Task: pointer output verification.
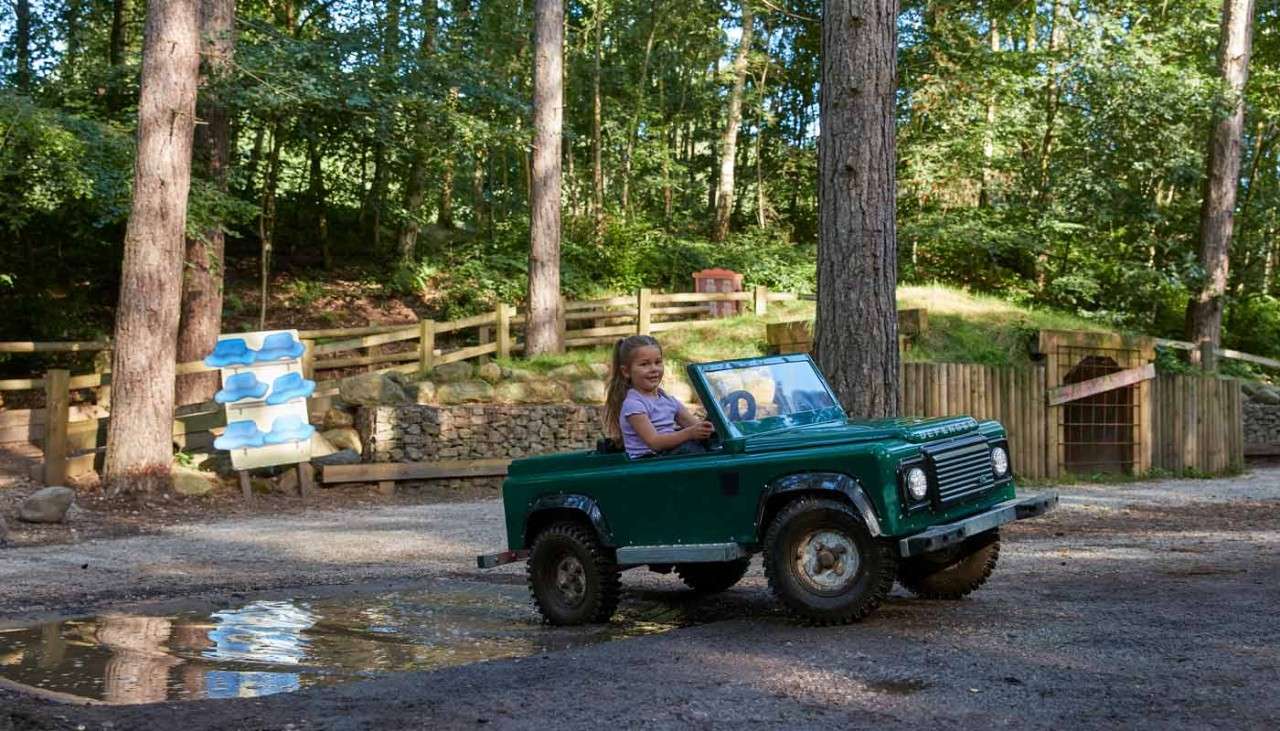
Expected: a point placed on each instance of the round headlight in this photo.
(999, 461)
(917, 483)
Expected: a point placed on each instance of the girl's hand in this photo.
(700, 431)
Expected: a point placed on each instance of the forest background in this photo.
(1050, 152)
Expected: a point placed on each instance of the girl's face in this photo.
(644, 372)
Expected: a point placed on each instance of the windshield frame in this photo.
(735, 430)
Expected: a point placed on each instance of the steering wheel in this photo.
(730, 405)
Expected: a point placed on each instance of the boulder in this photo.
(287, 482)
(371, 389)
(452, 372)
(321, 447)
(571, 372)
(346, 438)
(342, 456)
(49, 505)
(601, 370)
(4, 531)
(424, 392)
(531, 392)
(519, 374)
(336, 418)
(464, 392)
(1266, 395)
(589, 391)
(191, 482)
(489, 372)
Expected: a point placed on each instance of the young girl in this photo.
(639, 414)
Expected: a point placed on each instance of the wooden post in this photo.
(485, 336)
(306, 479)
(503, 315)
(102, 366)
(426, 345)
(644, 310)
(309, 359)
(761, 300)
(57, 405)
(246, 486)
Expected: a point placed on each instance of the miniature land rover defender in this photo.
(839, 508)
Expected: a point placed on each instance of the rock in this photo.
(519, 374)
(452, 372)
(589, 391)
(321, 447)
(342, 456)
(4, 531)
(601, 370)
(49, 505)
(424, 392)
(346, 438)
(336, 418)
(371, 389)
(531, 392)
(287, 482)
(464, 392)
(571, 372)
(489, 372)
(1267, 395)
(188, 481)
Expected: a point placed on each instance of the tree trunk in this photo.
(22, 45)
(478, 202)
(1204, 311)
(201, 319)
(989, 134)
(857, 326)
(597, 159)
(267, 222)
(762, 202)
(542, 330)
(415, 184)
(1052, 97)
(633, 129)
(729, 139)
(115, 55)
(140, 432)
(317, 197)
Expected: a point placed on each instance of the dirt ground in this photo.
(1148, 604)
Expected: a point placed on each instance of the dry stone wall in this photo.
(427, 433)
(1261, 424)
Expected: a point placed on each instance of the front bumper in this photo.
(943, 536)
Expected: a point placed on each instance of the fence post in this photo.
(503, 315)
(57, 404)
(644, 310)
(761, 300)
(102, 366)
(484, 338)
(309, 359)
(426, 345)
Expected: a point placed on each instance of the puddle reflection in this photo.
(266, 647)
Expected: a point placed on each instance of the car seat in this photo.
(229, 352)
(289, 387)
(240, 386)
(279, 346)
(288, 428)
(239, 434)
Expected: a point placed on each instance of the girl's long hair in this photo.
(618, 383)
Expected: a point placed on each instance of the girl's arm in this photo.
(684, 418)
(661, 442)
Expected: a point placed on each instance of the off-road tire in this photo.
(792, 528)
(714, 577)
(592, 570)
(952, 573)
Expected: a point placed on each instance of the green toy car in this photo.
(839, 508)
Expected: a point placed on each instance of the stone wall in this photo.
(1261, 424)
(426, 433)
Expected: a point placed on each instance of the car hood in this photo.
(906, 429)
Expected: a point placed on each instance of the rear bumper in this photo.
(943, 536)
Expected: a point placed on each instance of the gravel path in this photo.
(1140, 605)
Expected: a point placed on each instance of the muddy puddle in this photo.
(279, 645)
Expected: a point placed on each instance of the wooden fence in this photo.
(78, 429)
(1198, 424)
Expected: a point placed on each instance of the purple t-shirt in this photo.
(660, 409)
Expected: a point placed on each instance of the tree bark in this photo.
(1204, 311)
(267, 222)
(542, 330)
(317, 199)
(597, 158)
(416, 182)
(729, 139)
(140, 432)
(22, 45)
(201, 319)
(989, 134)
(857, 326)
(633, 129)
(115, 55)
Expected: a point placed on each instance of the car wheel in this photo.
(824, 565)
(714, 577)
(573, 578)
(952, 573)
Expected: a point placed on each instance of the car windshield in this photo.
(756, 397)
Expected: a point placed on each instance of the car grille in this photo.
(961, 468)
